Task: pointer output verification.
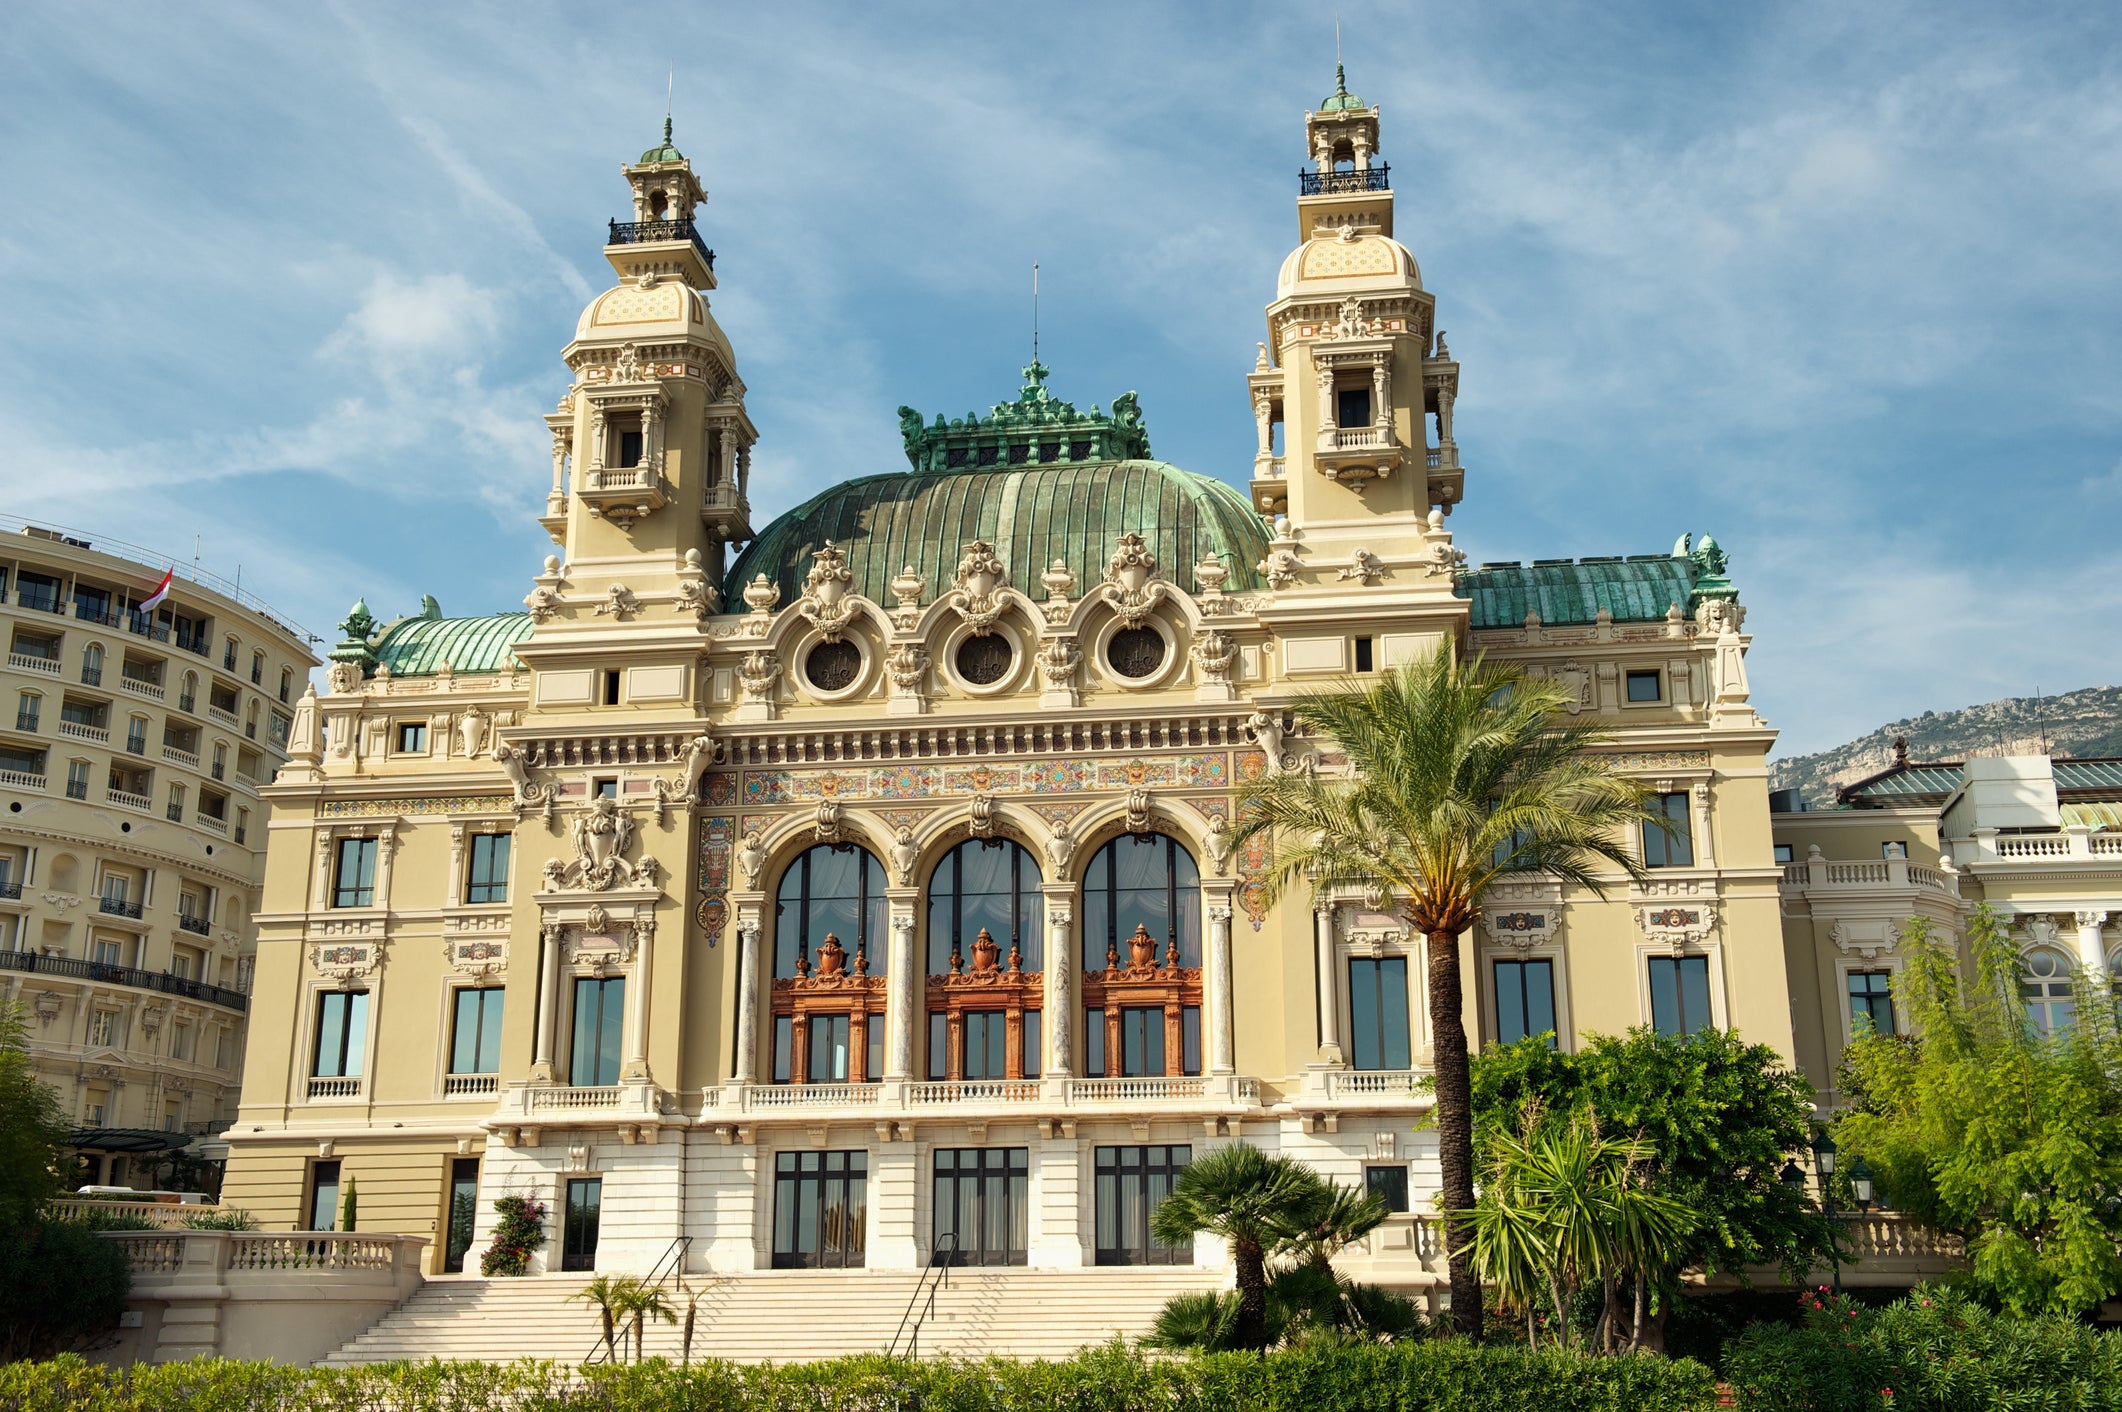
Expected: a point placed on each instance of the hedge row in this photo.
(1417, 1377)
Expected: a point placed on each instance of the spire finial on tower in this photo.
(1340, 85)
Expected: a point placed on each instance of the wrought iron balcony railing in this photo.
(118, 907)
(643, 232)
(104, 974)
(1339, 183)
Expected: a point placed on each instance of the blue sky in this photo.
(1837, 283)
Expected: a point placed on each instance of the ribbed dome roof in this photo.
(1032, 514)
(417, 647)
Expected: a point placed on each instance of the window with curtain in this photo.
(1148, 881)
(836, 889)
(990, 884)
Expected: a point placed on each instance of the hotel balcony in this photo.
(130, 977)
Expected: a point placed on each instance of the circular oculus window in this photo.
(833, 666)
(983, 661)
(1135, 652)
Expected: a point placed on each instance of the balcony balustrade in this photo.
(648, 232)
(335, 1088)
(130, 800)
(140, 686)
(34, 662)
(82, 730)
(102, 974)
(181, 757)
(1378, 178)
(470, 1085)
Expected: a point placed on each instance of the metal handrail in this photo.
(936, 1276)
(1378, 178)
(644, 232)
(671, 1262)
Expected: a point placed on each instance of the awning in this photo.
(135, 1140)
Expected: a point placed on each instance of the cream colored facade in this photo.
(1041, 654)
(132, 838)
(2038, 840)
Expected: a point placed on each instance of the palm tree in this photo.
(638, 1301)
(1253, 1201)
(1458, 777)
(606, 1291)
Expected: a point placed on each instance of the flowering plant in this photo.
(520, 1231)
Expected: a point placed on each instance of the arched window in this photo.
(1145, 881)
(1142, 959)
(2045, 986)
(828, 1001)
(988, 884)
(985, 963)
(92, 664)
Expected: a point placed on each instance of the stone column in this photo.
(900, 997)
(1263, 418)
(2092, 944)
(1222, 1026)
(637, 1003)
(1381, 412)
(1705, 842)
(747, 1000)
(1327, 410)
(549, 939)
(1444, 416)
(1059, 1003)
(1329, 986)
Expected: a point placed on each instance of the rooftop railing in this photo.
(1338, 183)
(646, 232)
(41, 964)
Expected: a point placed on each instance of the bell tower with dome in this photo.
(651, 445)
(1353, 373)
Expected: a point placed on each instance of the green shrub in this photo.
(62, 1286)
(226, 1218)
(520, 1231)
(1932, 1350)
(100, 1220)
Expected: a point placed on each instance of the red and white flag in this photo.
(154, 600)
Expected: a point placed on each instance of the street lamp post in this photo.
(1824, 1161)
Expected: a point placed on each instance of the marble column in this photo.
(549, 941)
(637, 1002)
(1059, 1002)
(747, 1001)
(1222, 1026)
(1329, 987)
(900, 997)
(2092, 943)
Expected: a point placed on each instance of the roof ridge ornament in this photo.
(1130, 580)
(1035, 427)
(978, 584)
(825, 601)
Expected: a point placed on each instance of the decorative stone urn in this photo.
(985, 952)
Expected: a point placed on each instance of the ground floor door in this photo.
(821, 1209)
(463, 1210)
(981, 1198)
(1129, 1182)
(578, 1241)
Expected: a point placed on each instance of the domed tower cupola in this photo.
(1352, 186)
(662, 237)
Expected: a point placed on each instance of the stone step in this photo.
(786, 1316)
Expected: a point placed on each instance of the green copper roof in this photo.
(1036, 428)
(1032, 514)
(1341, 100)
(665, 153)
(1638, 589)
(417, 647)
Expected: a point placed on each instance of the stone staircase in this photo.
(785, 1316)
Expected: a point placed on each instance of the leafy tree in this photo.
(1566, 1207)
(62, 1287)
(1255, 1203)
(1458, 778)
(33, 1128)
(1716, 1118)
(348, 1206)
(1982, 1126)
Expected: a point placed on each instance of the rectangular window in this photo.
(103, 1029)
(355, 879)
(324, 1196)
(600, 1012)
(463, 1211)
(1389, 1183)
(475, 1041)
(76, 779)
(105, 952)
(1671, 846)
(1646, 686)
(828, 1049)
(1031, 1044)
(1364, 658)
(1525, 1001)
(1377, 1013)
(982, 1206)
(180, 1043)
(1871, 1003)
(604, 789)
(1190, 1038)
(1094, 1044)
(136, 736)
(1142, 1041)
(97, 1107)
(821, 1209)
(578, 1237)
(342, 1033)
(873, 1059)
(1785, 854)
(1679, 994)
(784, 1047)
(26, 711)
(1352, 407)
(412, 737)
(611, 688)
(488, 878)
(938, 1047)
(985, 1046)
(1128, 1183)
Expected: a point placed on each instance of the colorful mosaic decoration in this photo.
(431, 804)
(896, 819)
(1056, 816)
(1255, 856)
(478, 950)
(720, 789)
(342, 955)
(1062, 775)
(1210, 806)
(1252, 764)
(718, 835)
(1674, 917)
(1519, 922)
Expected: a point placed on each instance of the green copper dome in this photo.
(417, 647)
(1341, 100)
(665, 153)
(1033, 514)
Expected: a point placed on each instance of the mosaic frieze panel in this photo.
(718, 835)
(1662, 760)
(1255, 860)
(1063, 775)
(431, 804)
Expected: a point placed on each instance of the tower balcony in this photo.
(662, 248)
(1357, 454)
(624, 494)
(656, 232)
(1376, 178)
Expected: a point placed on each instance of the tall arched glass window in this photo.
(984, 882)
(1147, 881)
(2045, 986)
(835, 888)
